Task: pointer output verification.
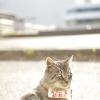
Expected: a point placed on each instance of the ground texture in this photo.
(17, 77)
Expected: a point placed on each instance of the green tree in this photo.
(87, 1)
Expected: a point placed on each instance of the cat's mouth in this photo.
(57, 85)
(59, 89)
(62, 88)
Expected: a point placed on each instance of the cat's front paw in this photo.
(29, 96)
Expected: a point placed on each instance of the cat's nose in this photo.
(67, 81)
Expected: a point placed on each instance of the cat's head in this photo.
(57, 74)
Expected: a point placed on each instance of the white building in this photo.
(83, 16)
(7, 22)
(86, 1)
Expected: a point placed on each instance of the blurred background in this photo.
(31, 30)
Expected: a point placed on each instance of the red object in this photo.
(66, 92)
(52, 91)
(59, 95)
(54, 95)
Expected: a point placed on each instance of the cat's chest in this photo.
(55, 95)
(51, 98)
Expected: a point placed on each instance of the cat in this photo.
(55, 83)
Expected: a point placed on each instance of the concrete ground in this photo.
(17, 77)
(74, 42)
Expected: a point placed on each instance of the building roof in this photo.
(84, 6)
(6, 12)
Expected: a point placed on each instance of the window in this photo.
(72, 11)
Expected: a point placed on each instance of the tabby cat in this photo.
(55, 85)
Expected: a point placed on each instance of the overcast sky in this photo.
(46, 11)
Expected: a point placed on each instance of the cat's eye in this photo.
(59, 75)
(70, 75)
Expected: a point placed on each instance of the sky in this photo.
(44, 11)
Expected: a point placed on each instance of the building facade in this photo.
(7, 22)
(83, 16)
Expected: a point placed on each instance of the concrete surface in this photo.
(17, 77)
(75, 42)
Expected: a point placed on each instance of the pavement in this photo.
(72, 42)
(17, 77)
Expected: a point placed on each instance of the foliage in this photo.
(94, 51)
(29, 52)
(79, 55)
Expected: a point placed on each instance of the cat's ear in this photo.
(69, 60)
(49, 61)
